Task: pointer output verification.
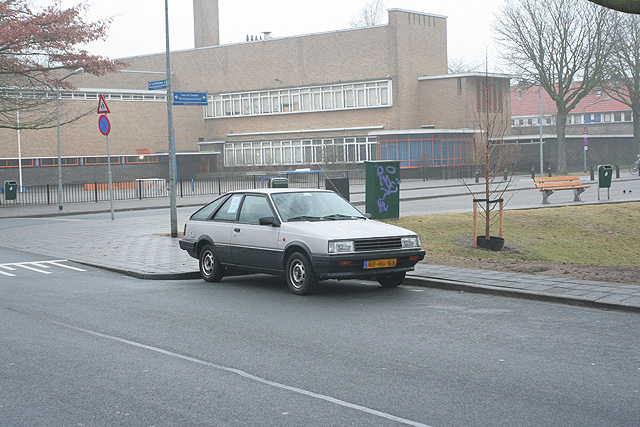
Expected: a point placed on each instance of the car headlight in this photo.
(410, 242)
(338, 246)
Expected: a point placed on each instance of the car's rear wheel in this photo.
(210, 268)
(391, 280)
(301, 278)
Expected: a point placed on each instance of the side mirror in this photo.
(269, 220)
(367, 215)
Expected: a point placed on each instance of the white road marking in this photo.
(243, 374)
(29, 267)
(58, 262)
(36, 266)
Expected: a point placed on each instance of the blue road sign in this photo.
(190, 98)
(158, 84)
(104, 125)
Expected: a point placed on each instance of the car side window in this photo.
(208, 210)
(253, 208)
(229, 210)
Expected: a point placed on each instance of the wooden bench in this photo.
(550, 184)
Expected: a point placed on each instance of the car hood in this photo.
(345, 229)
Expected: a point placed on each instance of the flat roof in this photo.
(462, 75)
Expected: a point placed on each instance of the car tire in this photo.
(210, 268)
(301, 278)
(391, 280)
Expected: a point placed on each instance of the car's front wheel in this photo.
(210, 268)
(391, 280)
(301, 278)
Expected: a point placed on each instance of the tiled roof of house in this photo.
(527, 103)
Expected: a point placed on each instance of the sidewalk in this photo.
(138, 244)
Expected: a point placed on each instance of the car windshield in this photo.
(314, 206)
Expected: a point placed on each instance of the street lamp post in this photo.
(586, 133)
(77, 71)
(540, 123)
(173, 213)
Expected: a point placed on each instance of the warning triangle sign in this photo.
(102, 106)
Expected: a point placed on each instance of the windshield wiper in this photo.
(304, 218)
(341, 216)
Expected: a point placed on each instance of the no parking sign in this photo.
(104, 125)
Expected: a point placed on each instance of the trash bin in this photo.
(10, 190)
(605, 173)
(279, 183)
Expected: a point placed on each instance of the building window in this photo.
(305, 99)
(90, 161)
(14, 163)
(297, 152)
(139, 159)
(489, 95)
(426, 150)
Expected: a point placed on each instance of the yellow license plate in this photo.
(380, 263)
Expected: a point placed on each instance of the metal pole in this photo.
(585, 158)
(59, 156)
(586, 133)
(172, 143)
(110, 180)
(540, 119)
(77, 71)
(19, 149)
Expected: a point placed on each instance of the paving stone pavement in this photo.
(140, 246)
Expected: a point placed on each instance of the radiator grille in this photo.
(378, 244)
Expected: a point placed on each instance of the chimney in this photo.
(267, 35)
(206, 24)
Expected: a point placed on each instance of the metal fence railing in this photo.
(154, 188)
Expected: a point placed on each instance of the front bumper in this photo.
(352, 265)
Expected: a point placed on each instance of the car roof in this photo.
(279, 190)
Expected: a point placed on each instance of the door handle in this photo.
(236, 230)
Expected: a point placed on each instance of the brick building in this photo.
(321, 100)
(607, 124)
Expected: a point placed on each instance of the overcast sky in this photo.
(138, 25)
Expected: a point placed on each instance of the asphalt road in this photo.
(87, 347)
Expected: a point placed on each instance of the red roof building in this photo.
(595, 108)
(599, 130)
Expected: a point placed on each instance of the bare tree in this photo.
(490, 152)
(460, 65)
(563, 45)
(623, 82)
(37, 44)
(371, 14)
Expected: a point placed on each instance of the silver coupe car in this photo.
(307, 235)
